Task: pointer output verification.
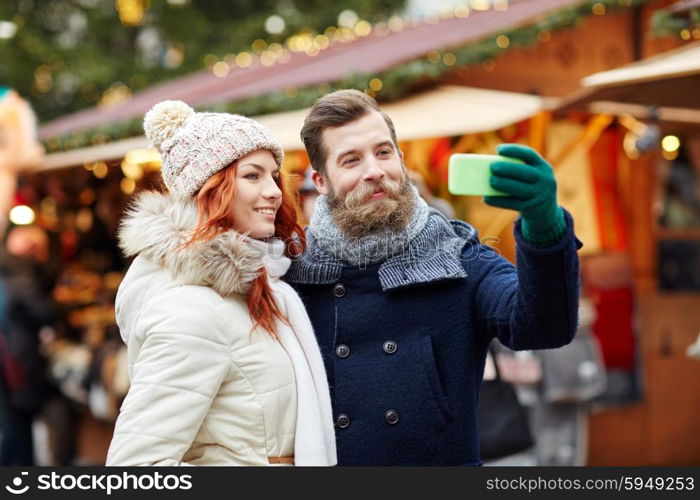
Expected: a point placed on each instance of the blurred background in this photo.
(608, 91)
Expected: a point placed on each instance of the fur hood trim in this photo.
(156, 225)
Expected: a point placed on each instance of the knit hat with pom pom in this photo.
(194, 146)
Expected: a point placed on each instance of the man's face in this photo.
(360, 153)
(365, 181)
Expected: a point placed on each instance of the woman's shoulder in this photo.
(152, 281)
(194, 307)
(150, 299)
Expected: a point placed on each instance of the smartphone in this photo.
(469, 174)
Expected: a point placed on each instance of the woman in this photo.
(224, 365)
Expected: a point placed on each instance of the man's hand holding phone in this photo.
(518, 179)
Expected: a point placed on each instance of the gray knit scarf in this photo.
(429, 249)
(369, 249)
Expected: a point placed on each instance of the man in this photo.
(405, 303)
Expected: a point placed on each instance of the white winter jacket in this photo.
(207, 389)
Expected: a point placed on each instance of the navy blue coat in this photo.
(405, 365)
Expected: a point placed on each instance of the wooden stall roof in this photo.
(374, 53)
(662, 83)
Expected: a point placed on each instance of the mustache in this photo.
(360, 195)
(357, 215)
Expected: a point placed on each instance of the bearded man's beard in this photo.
(358, 215)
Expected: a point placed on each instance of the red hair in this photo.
(214, 201)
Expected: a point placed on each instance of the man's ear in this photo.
(403, 163)
(319, 182)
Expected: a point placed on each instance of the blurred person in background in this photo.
(307, 195)
(433, 201)
(19, 148)
(223, 362)
(25, 307)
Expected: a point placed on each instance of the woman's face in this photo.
(257, 194)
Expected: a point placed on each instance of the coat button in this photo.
(392, 417)
(339, 290)
(390, 347)
(342, 351)
(342, 421)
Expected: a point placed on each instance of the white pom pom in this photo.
(163, 120)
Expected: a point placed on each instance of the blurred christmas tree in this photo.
(64, 55)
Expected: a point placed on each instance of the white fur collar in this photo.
(156, 225)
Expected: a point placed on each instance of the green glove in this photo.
(532, 191)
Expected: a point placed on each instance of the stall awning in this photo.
(678, 63)
(445, 111)
(668, 81)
